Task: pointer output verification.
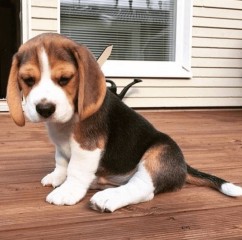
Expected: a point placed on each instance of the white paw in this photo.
(69, 193)
(108, 200)
(54, 179)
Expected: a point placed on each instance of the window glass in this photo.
(140, 30)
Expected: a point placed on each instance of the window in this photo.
(148, 35)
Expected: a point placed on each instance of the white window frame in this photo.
(25, 20)
(180, 68)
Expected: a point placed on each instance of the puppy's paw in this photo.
(54, 179)
(107, 200)
(66, 194)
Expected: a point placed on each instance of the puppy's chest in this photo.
(65, 148)
(61, 137)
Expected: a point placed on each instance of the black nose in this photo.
(45, 109)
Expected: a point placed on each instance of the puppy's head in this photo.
(57, 77)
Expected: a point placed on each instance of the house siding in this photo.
(216, 58)
(216, 63)
(45, 17)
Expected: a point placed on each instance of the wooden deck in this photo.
(211, 141)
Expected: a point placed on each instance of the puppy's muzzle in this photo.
(45, 109)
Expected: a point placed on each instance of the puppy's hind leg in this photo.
(162, 169)
(166, 165)
(139, 189)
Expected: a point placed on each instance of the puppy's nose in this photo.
(45, 109)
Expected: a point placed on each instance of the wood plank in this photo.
(187, 92)
(153, 226)
(195, 82)
(216, 33)
(44, 24)
(204, 42)
(26, 155)
(216, 13)
(217, 63)
(230, 4)
(182, 102)
(216, 23)
(47, 13)
(49, 3)
(217, 72)
(216, 52)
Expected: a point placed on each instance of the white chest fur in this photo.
(75, 167)
(60, 134)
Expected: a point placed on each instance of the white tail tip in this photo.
(231, 190)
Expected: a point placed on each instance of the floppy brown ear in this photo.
(92, 85)
(14, 98)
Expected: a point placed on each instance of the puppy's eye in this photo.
(29, 81)
(64, 81)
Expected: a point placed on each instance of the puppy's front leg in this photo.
(58, 176)
(80, 174)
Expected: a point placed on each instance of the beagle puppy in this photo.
(100, 142)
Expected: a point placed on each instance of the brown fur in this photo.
(152, 160)
(88, 140)
(92, 86)
(106, 180)
(87, 89)
(199, 181)
(14, 98)
(64, 69)
(25, 71)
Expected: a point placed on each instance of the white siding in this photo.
(216, 58)
(216, 63)
(44, 17)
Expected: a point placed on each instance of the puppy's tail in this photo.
(203, 179)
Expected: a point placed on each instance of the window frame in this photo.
(180, 68)
(25, 20)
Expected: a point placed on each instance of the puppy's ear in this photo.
(14, 98)
(92, 85)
